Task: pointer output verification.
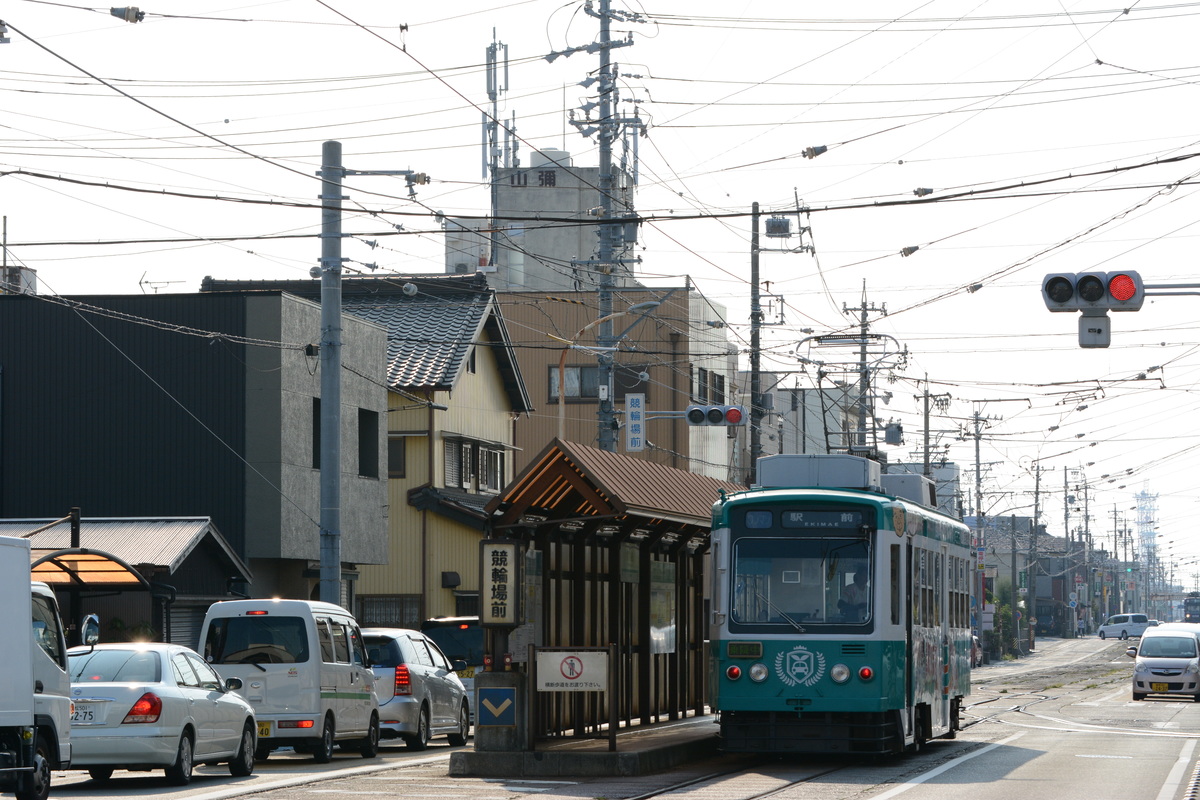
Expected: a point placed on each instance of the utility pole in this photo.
(865, 404)
(1016, 632)
(609, 252)
(1032, 571)
(331, 372)
(756, 318)
(497, 83)
(330, 271)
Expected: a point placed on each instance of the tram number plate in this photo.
(1159, 687)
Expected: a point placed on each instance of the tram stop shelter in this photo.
(612, 554)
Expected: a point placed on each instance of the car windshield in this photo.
(116, 666)
(1168, 647)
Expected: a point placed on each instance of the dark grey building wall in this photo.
(123, 416)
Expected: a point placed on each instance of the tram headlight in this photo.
(840, 673)
(733, 672)
(759, 672)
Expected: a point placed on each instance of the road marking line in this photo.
(933, 773)
(1175, 776)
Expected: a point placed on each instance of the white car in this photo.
(147, 705)
(420, 694)
(1123, 626)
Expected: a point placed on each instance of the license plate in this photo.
(1160, 687)
(264, 730)
(469, 672)
(88, 714)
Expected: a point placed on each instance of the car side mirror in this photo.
(458, 665)
(233, 684)
(89, 630)
(1131, 651)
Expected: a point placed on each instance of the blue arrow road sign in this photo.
(497, 706)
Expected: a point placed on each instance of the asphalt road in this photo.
(1058, 725)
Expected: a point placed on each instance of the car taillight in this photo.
(403, 681)
(148, 708)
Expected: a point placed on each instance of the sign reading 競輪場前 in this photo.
(499, 580)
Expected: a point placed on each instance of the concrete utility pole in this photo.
(330, 271)
(866, 406)
(609, 259)
(331, 371)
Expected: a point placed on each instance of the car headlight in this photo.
(840, 673)
(758, 672)
(1193, 668)
(1140, 668)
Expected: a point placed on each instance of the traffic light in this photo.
(715, 415)
(1100, 291)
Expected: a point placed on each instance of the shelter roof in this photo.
(118, 551)
(575, 483)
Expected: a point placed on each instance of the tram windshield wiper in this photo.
(799, 628)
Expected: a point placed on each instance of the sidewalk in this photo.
(641, 750)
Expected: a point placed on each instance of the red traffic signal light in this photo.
(1099, 291)
(715, 415)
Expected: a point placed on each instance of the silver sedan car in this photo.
(147, 705)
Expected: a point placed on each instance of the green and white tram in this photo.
(841, 611)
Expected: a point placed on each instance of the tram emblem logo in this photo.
(800, 666)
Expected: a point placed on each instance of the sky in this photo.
(1054, 137)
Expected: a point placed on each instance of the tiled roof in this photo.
(430, 331)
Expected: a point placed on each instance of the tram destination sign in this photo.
(822, 519)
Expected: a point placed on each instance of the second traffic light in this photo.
(1098, 291)
(715, 415)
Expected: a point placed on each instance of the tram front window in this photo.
(798, 583)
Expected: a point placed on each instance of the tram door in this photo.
(911, 599)
(941, 588)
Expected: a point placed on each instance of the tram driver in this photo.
(853, 603)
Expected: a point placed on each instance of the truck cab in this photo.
(35, 695)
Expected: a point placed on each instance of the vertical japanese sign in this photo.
(501, 589)
(635, 422)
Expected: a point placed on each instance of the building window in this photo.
(316, 433)
(368, 443)
(471, 361)
(397, 453)
(491, 478)
(467, 465)
(716, 388)
(389, 611)
(466, 604)
(701, 385)
(583, 383)
(474, 466)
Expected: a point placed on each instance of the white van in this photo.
(304, 669)
(1167, 661)
(1123, 626)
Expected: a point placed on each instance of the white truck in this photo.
(35, 693)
